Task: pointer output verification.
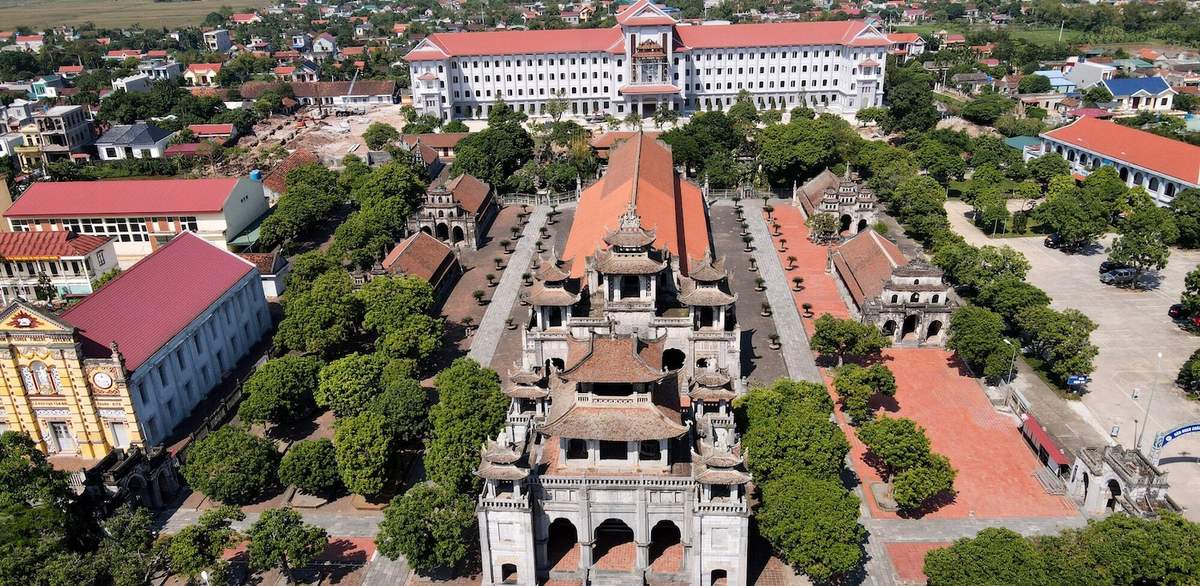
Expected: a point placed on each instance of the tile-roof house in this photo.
(1141, 94)
(273, 269)
(202, 74)
(83, 258)
(421, 255)
(275, 183)
(133, 141)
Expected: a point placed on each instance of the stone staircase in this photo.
(1050, 481)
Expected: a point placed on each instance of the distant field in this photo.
(112, 13)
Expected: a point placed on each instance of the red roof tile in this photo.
(154, 300)
(1172, 158)
(276, 180)
(437, 140)
(123, 197)
(264, 261)
(781, 34)
(47, 244)
(904, 37)
(640, 171)
(204, 67)
(211, 129)
(865, 263)
(468, 192)
(419, 255)
(70, 69)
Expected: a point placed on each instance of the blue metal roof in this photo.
(1127, 86)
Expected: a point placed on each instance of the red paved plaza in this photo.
(819, 288)
(908, 559)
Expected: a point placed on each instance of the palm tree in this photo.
(791, 262)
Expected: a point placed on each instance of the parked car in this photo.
(1177, 311)
(1119, 277)
(1052, 241)
(1109, 266)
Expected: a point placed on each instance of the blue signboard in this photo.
(1078, 379)
(1169, 436)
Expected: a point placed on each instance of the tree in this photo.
(1190, 298)
(363, 446)
(404, 404)
(797, 149)
(870, 115)
(199, 547)
(311, 466)
(1047, 167)
(1097, 94)
(1066, 212)
(348, 383)
(1034, 84)
(1009, 295)
(396, 179)
(431, 526)
(455, 126)
(1144, 251)
(939, 161)
(493, 155)
(994, 556)
(281, 539)
(665, 117)
(974, 268)
(1188, 378)
(918, 202)
(789, 431)
(232, 465)
(305, 269)
(1062, 339)
(910, 101)
(280, 391)
(823, 226)
(846, 337)
(130, 553)
(986, 108)
(380, 134)
(106, 277)
(321, 320)
(633, 120)
(423, 124)
(899, 443)
(914, 488)
(977, 336)
(991, 209)
(470, 410)
(813, 524)
(1186, 206)
(856, 385)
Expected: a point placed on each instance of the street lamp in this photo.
(1149, 403)
(1013, 364)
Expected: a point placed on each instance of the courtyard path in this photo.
(799, 358)
(491, 326)
(365, 524)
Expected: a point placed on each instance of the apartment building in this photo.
(647, 61)
(66, 261)
(54, 135)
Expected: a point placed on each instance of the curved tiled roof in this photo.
(615, 359)
(865, 263)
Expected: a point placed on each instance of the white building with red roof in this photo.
(1161, 165)
(130, 362)
(141, 215)
(70, 261)
(202, 74)
(647, 61)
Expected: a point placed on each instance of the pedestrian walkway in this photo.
(384, 570)
(947, 530)
(491, 326)
(797, 355)
(337, 524)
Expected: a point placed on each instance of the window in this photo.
(577, 449)
(613, 450)
(649, 450)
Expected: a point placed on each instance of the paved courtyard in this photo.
(1133, 328)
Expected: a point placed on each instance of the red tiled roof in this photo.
(468, 192)
(284, 70)
(781, 34)
(276, 180)
(204, 67)
(124, 53)
(643, 13)
(264, 261)
(154, 300)
(641, 171)
(70, 69)
(904, 37)
(157, 53)
(419, 255)
(124, 197)
(649, 89)
(182, 149)
(865, 263)
(210, 129)
(1172, 158)
(517, 43)
(437, 140)
(608, 139)
(47, 244)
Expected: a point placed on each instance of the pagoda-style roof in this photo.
(553, 269)
(917, 268)
(518, 375)
(540, 294)
(653, 415)
(711, 385)
(710, 295)
(520, 391)
(618, 263)
(709, 270)
(492, 471)
(615, 358)
(630, 233)
(708, 475)
(498, 453)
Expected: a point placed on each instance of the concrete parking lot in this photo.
(1133, 331)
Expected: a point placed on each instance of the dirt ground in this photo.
(332, 138)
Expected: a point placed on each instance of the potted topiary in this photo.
(528, 278)
(478, 295)
(506, 244)
(753, 265)
(745, 228)
(807, 309)
(491, 279)
(466, 322)
(791, 262)
(747, 240)
(766, 309)
(510, 324)
(760, 284)
(796, 282)
(499, 263)
(774, 344)
(782, 245)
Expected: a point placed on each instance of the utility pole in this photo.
(1149, 403)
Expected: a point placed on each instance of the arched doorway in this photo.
(862, 225)
(845, 223)
(442, 232)
(562, 546)
(457, 234)
(614, 548)
(889, 327)
(426, 230)
(935, 328)
(1114, 493)
(666, 549)
(718, 578)
(673, 359)
(508, 573)
(909, 327)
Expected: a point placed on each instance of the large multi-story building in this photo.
(67, 262)
(130, 362)
(619, 462)
(58, 134)
(144, 214)
(647, 61)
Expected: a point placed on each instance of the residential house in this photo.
(71, 262)
(144, 214)
(363, 92)
(69, 72)
(1088, 73)
(441, 142)
(133, 141)
(221, 133)
(1058, 80)
(973, 82)
(47, 87)
(16, 114)
(202, 74)
(30, 43)
(245, 18)
(324, 46)
(133, 84)
(905, 46)
(218, 41)
(9, 142)
(1141, 94)
(61, 133)
(299, 41)
(122, 54)
(160, 70)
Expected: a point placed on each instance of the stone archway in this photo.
(934, 331)
(562, 546)
(909, 327)
(442, 231)
(457, 234)
(673, 359)
(889, 327)
(845, 223)
(614, 548)
(862, 225)
(426, 230)
(666, 548)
